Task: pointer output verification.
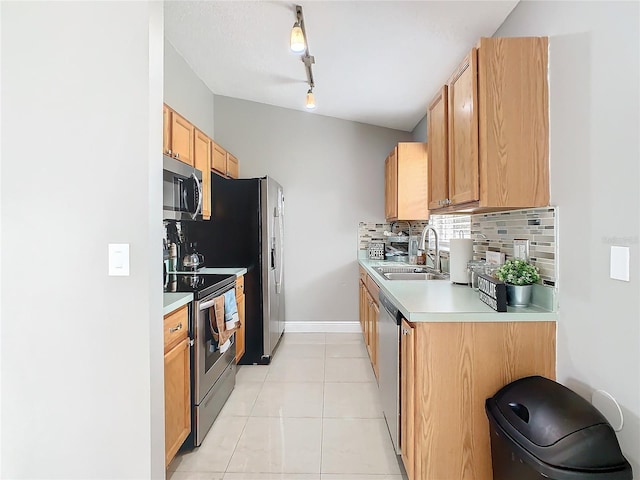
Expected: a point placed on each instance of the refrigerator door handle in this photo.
(279, 234)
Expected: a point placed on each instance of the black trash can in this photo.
(542, 430)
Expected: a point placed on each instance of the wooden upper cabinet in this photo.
(232, 166)
(391, 185)
(463, 132)
(497, 120)
(224, 163)
(513, 94)
(166, 130)
(202, 161)
(182, 135)
(438, 149)
(406, 182)
(219, 162)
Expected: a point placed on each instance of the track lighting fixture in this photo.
(300, 44)
(311, 99)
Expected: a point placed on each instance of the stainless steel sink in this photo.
(410, 273)
(416, 276)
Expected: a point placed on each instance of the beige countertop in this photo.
(173, 301)
(443, 301)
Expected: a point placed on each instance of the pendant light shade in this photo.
(311, 100)
(297, 39)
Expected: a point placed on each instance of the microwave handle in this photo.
(199, 190)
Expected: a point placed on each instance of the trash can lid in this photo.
(556, 425)
(544, 411)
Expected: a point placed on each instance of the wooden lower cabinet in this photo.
(407, 397)
(454, 367)
(363, 309)
(369, 313)
(177, 382)
(240, 333)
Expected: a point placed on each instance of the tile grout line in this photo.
(226, 468)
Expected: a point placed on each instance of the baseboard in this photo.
(322, 327)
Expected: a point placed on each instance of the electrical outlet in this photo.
(521, 248)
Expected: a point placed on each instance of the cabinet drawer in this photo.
(363, 274)
(176, 327)
(239, 286)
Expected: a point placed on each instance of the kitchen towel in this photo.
(460, 252)
(223, 333)
(231, 317)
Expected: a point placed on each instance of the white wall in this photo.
(332, 172)
(594, 85)
(419, 133)
(185, 92)
(82, 378)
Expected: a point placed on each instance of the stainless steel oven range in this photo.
(213, 369)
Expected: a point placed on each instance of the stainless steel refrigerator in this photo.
(246, 229)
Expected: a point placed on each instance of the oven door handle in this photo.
(205, 305)
(209, 303)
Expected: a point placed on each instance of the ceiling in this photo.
(377, 62)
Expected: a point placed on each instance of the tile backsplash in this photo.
(538, 225)
(491, 232)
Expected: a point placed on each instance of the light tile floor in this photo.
(313, 414)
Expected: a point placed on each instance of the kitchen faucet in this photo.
(436, 260)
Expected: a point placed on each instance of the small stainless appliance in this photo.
(389, 367)
(181, 190)
(192, 260)
(213, 371)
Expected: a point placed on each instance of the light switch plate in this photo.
(619, 269)
(119, 259)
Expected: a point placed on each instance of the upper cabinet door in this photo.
(438, 148)
(463, 132)
(166, 130)
(391, 185)
(182, 134)
(202, 160)
(232, 166)
(514, 122)
(219, 160)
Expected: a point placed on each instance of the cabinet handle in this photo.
(176, 328)
(405, 331)
(177, 155)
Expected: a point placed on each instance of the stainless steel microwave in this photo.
(181, 191)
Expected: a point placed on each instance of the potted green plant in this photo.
(519, 275)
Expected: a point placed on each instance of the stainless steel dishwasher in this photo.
(389, 367)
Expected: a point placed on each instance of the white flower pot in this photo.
(519, 295)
